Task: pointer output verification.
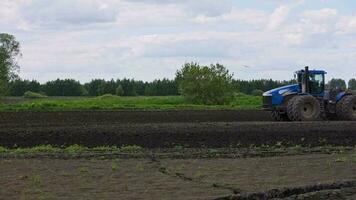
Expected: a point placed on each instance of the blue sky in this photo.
(148, 39)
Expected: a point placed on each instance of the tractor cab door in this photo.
(316, 84)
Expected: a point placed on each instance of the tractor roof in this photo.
(313, 71)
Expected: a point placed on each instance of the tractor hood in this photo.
(283, 91)
(278, 94)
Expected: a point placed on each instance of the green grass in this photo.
(109, 102)
(72, 149)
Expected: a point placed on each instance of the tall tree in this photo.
(352, 84)
(336, 83)
(9, 54)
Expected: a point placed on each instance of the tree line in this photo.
(130, 87)
(96, 87)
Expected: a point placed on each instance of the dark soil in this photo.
(154, 135)
(158, 129)
(108, 117)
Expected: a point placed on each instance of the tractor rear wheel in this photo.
(304, 108)
(346, 108)
(277, 116)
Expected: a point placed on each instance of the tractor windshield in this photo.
(316, 83)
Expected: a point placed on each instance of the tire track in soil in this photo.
(164, 170)
(297, 192)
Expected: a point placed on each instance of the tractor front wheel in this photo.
(304, 108)
(346, 108)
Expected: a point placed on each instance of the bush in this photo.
(33, 95)
(205, 84)
(257, 93)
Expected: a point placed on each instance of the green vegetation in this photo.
(131, 149)
(9, 52)
(257, 92)
(111, 102)
(352, 84)
(337, 83)
(33, 95)
(210, 85)
(72, 149)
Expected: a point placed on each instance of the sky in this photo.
(152, 39)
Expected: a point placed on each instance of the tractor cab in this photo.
(311, 81)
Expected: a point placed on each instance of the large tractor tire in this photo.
(290, 108)
(277, 116)
(346, 108)
(304, 108)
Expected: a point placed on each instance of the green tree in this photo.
(337, 83)
(257, 92)
(352, 84)
(18, 87)
(66, 87)
(119, 91)
(205, 84)
(9, 53)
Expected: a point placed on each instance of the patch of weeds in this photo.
(83, 170)
(353, 159)
(131, 149)
(178, 148)
(199, 174)
(74, 149)
(341, 159)
(225, 169)
(114, 166)
(297, 147)
(36, 181)
(4, 150)
(279, 144)
(65, 174)
(37, 149)
(180, 167)
(105, 149)
(140, 167)
(322, 141)
(213, 151)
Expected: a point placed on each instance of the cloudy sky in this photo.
(148, 39)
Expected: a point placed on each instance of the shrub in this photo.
(205, 84)
(257, 92)
(33, 95)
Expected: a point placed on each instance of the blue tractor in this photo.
(309, 101)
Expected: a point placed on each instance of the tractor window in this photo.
(316, 83)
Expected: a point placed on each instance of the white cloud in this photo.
(278, 16)
(320, 15)
(236, 15)
(148, 39)
(346, 25)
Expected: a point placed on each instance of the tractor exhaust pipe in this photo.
(305, 84)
